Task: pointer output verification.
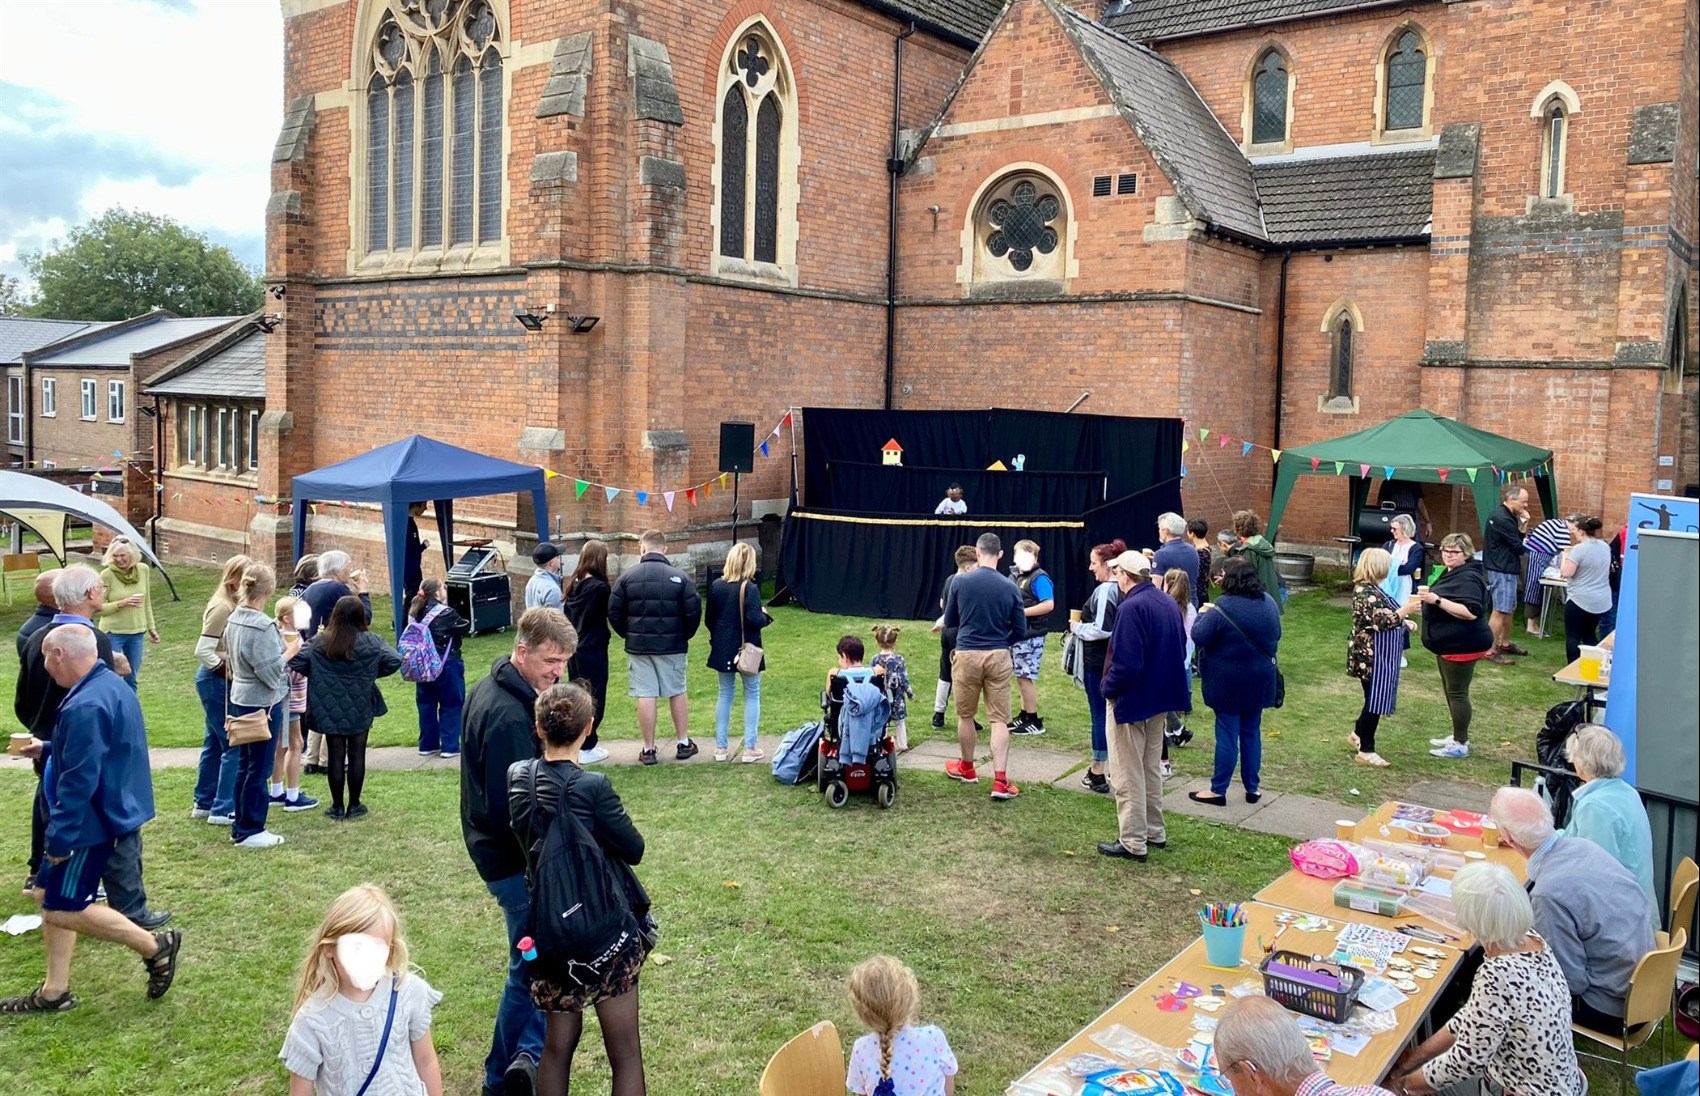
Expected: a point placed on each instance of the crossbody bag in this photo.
(749, 655)
(384, 1042)
(1280, 678)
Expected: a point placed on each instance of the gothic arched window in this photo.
(1407, 82)
(1555, 132)
(1345, 350)
(1269, 98)
(434, 129)
(756, 165)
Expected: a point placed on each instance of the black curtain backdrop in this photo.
(886, 489)
(1133, 453)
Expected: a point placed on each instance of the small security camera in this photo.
(277, 292)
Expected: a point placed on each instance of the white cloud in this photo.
(176, 105)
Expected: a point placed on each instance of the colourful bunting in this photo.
(708, 489)
(1245, 448)
(667, 497)
(1185, 445)
(1339, 468)
(723, 479)
(691, 492)
(611, 492)
(642, 497)
(579, 488)
(1387, 470)
(1315, 463)
(1471, 472)
(764, 446)
(786, 421)
(549, 475)
(1183, 471)
(1442, 473)
(1275, 455)
(1222, 441)
(1363, 470)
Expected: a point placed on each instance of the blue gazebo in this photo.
(415, 469)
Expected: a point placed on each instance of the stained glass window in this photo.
(1407, 75)
(1022, 224)
(734, 154)
(1269, 99)
(767, 181)
(1343, 350)
(434, 128)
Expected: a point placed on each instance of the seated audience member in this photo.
(1513, 1033)
(1587, 907)
(1262, 1051)
(1606, 809)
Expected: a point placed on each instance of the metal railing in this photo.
(1672, 809)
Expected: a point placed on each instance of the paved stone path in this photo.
(1282, 813)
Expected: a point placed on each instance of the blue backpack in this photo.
(798, 755)
(421, 661)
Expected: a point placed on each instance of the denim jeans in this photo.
(519, 1025)
(440, 703)
(253, 768)
(723, 709)
(129, 644)
(1239, 738)
(1095, 703)
(215, 784)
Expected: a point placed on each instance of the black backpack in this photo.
(581, 915)
(1561, 722)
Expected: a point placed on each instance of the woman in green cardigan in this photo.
(128, 612)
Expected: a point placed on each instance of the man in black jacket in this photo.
(497, 732)
(1502, 559)
(655, 609)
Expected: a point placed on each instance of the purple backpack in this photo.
(421, 661)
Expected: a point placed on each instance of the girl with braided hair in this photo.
(898, 1057)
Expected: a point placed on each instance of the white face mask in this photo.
(302, 615)
(1025, 562)
(364, 957)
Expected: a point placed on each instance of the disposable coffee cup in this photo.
(17, 743)
(1345, 829)
(1490, 834)
(1074, 616)
(1421, 590)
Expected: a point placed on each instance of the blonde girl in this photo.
(355, 977)
(292, 615)
(1175, 583)
(897, 1057)
(215, 784)
(896, 678)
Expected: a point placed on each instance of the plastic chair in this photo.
(17, 566)
(1684, 887)
(812, 1064)
(1650, 988)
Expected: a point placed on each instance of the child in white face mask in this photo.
(292, 616)
(362, 1023)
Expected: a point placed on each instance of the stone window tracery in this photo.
(756, 159)
(1018, 234)
(1269, 88)
(1407, 83)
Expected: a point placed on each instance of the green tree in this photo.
(124, 263)
(12, 302)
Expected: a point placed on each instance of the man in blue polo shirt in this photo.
(99, 789)
(985, 609)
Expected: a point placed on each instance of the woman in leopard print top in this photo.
(1514, 1031)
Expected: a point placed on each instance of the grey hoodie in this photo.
(254, 649)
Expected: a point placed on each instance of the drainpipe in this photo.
(894, 166)
(1280, 348)
(157, 486)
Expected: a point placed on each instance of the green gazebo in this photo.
(1421, 446)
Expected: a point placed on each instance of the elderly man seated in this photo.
(1262, 1052)
(1607, 809)
(1588, 908)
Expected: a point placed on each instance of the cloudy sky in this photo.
(167, 106)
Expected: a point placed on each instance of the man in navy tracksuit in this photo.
(99, 790)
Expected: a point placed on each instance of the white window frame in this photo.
(15, 410)
(49, 398)
(116, 403)
(90, 407)
(225, 455)
(253, 440)
(194, 435)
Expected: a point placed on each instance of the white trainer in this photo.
(592, 755)
(265, 839)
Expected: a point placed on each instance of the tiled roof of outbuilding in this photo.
(20, 334)
(1205, 166)
(1149, 20)
(970, 19)
(1348, 199)
(232, 366)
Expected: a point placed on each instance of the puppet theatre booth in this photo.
(415, 469)
(1422, 447)
(864, 541)
(46, 508)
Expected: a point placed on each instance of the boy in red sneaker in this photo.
(985, 609)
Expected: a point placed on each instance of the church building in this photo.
(582, 233)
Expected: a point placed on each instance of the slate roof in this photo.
(1205, 166)
(968, 19)
(137, 338)
(1150, 20)
(19, 335)
(233, 366)
(1348, 199)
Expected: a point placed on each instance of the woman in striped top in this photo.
(1545, 542)
(1379, 626)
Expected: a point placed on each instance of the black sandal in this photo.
(162, 967)
(1211, 800)
(37, 1001)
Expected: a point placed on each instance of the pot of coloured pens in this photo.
(1224, 933)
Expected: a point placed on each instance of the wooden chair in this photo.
(17, 567)
(812, 1064)
(1684, 887)
(1650, 988)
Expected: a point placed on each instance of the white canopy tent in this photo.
(45, 508)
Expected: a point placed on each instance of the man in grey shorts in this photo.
(655, 609)
(1502, 558)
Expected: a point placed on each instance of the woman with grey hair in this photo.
(1261, 1051)
(1407, 565)
(1606, 809)
(1513, 1033)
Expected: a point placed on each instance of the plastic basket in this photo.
(1331, 1005)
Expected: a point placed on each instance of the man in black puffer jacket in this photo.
(496, 732)
(655, 609)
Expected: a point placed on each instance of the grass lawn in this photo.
(765, 898)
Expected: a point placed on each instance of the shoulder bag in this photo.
(248, 728)
(1280, 678)
(384, 1041)
(749, 656)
